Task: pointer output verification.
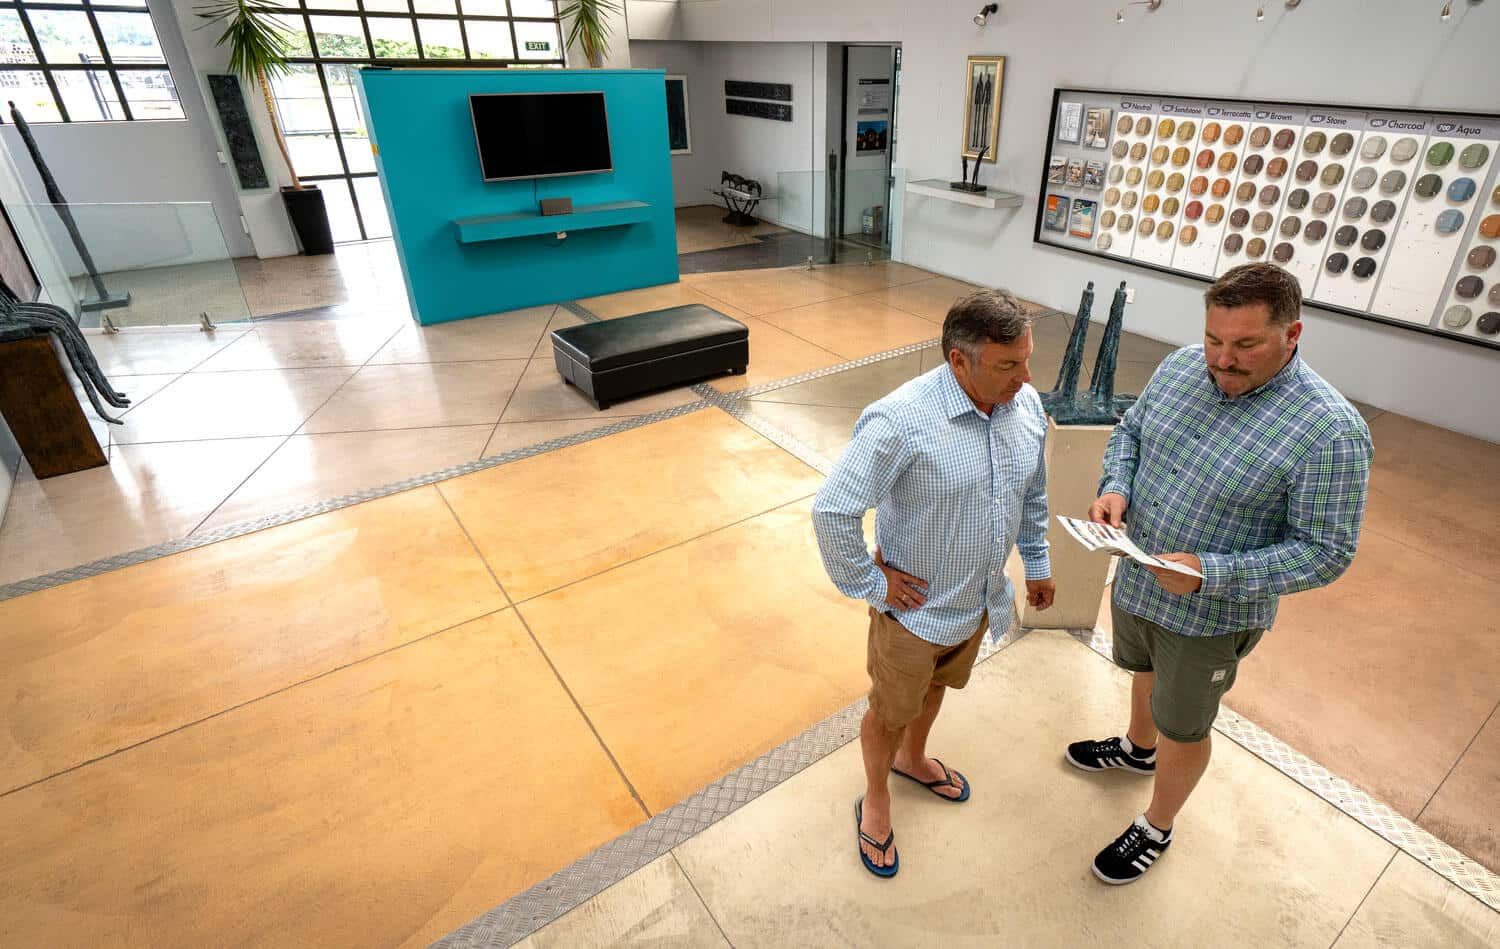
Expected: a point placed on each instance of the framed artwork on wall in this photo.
(679, 126)
(983, 81)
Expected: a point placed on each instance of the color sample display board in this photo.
(1388, 216)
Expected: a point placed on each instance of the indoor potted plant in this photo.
(257, 52)
(588, 29)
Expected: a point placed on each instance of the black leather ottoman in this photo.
(616, 359)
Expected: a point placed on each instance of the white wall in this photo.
(270, 229)
(107, 162)
(757, 148)
(1361, 52)
(692, 175)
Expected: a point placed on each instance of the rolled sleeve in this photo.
(862, 477)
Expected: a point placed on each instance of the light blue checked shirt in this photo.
(1268, 489)
(953, 490)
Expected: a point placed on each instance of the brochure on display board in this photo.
(1386, 215)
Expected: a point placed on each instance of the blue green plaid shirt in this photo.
(1268, 489)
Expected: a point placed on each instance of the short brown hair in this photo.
(983, 316)
(1249, 284)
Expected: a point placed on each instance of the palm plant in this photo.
(257, 51)
(588, 28)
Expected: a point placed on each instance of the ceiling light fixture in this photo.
(984, 13)
(1150, 5)
(1447, 10)
(1260, 14)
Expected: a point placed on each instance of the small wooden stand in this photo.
(42, 410)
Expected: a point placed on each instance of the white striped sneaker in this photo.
(1131, 855)
(1109, 753)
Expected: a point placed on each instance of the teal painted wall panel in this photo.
(429, 172)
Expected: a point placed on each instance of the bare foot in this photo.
(876, 822)
(929, 770)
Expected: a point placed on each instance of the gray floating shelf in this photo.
(500, 227)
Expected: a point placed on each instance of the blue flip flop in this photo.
(884, 873)
(946, 781)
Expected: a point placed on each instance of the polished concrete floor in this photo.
(371, 725)
(1255, 860)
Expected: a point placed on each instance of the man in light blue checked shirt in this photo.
(1253, 470)
(953, 464)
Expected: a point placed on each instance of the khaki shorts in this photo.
(1192, 672)
(903, 666)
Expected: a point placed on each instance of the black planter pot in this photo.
(309, 219)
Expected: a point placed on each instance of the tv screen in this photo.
(540, 135)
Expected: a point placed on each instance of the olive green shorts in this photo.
(1192, 672)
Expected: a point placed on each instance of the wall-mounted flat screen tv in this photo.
(541, 135)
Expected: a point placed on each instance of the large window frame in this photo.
(306, 9)
(108, 64)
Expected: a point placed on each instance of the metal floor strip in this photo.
(1395, 828)
(589, 876)
(729, 402)
(203, 539)
(567, 887)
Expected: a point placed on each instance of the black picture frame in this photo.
(775, 91)
(239, 135)
(679, 120)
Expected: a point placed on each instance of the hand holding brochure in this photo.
(1103, 537)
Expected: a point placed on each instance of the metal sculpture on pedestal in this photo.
(60, 204)
(1072, 364)
(1099, 405)
(58, 323)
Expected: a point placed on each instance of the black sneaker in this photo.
(1131, 855)
(1110, 753)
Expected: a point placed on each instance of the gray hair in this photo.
(983, 316)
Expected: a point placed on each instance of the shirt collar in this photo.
(1287, 373)
(957, 402)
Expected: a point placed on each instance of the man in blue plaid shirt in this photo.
(953, 464)
(1243, 460)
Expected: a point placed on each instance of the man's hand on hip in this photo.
(902, 590)
(1041, 593)
(1178, 583)
(1109, 509)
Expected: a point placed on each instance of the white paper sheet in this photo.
(1103, 537)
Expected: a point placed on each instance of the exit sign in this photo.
(537, 46)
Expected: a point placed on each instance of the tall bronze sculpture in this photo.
(105, 300)
(1099, 405)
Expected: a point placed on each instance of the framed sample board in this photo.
(1391, 216)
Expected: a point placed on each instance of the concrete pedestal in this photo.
(1075, 459)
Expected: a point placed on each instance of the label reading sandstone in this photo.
(1183, 108)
